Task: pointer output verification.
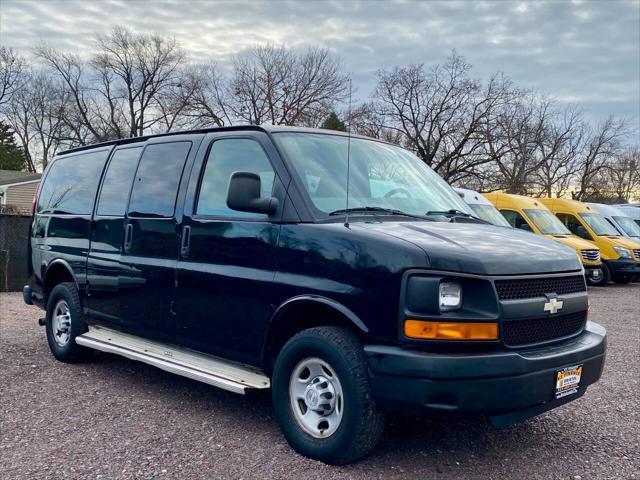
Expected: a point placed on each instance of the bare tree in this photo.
(18, 114)
(364, 120)
(512, 142)
(619, 181)
(86, 114)
(279, 86)
(440, 112)
(559, 148)
(207, 100)
(132, 85)
(37, 114)
(602, 142)
(136, 71)
(12, 68)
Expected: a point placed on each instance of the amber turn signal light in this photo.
(450, 330)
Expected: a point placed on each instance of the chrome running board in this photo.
(197, 366)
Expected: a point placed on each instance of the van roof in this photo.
(521, 201)
(262, 128)
(631, 210)
(567, 204)
(608, 210)
(472, 197)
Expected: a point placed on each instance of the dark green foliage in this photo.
(334, 123)
(11, 156)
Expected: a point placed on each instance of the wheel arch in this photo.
(56, 272)
(301, 312)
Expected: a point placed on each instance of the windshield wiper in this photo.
(390, 211)
(454, 212)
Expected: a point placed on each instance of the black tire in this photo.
(69, 351)
(361, 424)
(599, 282)
(605, 278)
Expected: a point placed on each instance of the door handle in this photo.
(128, 234)
(186, 242)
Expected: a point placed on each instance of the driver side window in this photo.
(515, 219)
(574, 225)
(226, 157)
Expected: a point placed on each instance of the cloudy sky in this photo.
(576, 51)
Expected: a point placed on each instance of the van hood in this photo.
(625, 242)
(573, 241)
(481, 249)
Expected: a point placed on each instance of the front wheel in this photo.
(322, 396)
(603, 279)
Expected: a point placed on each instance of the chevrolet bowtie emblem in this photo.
(553, 305)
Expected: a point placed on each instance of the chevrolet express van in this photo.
(482, 207)
(340, 272)
(620, 255)
(619, 219)
(531, 215)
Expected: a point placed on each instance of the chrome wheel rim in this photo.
(315, 396)
(61, 323)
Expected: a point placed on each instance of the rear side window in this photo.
(228, 156)
(71, 184)
(155, 187)
(117, 182)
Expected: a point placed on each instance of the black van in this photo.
(339, 271)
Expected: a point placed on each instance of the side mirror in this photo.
(244, 194)
(526, 227)
(582, 232)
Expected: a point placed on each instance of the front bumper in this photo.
(499, 382)
(624, 267)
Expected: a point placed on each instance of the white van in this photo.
(482, 207)
(620, 219)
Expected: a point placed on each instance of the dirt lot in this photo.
(114, 418)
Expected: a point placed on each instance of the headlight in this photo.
(623, 252)
(450, 296)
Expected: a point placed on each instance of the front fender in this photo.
(319, 299)
(282, 327)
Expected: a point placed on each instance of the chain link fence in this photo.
(14, 235)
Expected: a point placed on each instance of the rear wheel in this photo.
(64, 322)
(322, 396)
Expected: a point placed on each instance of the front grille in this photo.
(539, 287)
(590, 255)
(524, 332)
(636, 253)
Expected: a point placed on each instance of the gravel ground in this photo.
(114, 418)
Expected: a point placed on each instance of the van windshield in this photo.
(490, 214)
(599, 225)
(547, 222)
(381, 176)
(627, 224)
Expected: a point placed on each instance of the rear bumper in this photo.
(496, 383)
(27, 295)
(623, 267)
(32, 297)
